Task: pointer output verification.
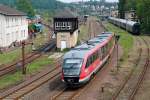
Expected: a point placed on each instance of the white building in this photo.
(13, 26)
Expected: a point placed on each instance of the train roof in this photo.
(81, 50)
(124, 21)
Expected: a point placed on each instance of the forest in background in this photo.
(142, 9)
(35, 6)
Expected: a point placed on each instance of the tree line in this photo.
(142, 8)
(34, 6)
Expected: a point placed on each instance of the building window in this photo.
(62, 25)
(16, 21)
(8, 37)
(17, 35)
(1, 36)
(7, 22)
(12, 22)
(24, 33)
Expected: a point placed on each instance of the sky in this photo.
(85, 0)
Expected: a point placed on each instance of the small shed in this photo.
(66, 29)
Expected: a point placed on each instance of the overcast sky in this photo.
(86, 0)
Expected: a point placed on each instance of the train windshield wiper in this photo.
(73, 65)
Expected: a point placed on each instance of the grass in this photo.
(39, 64)
(10, 79)
(16, 54)
(40, 39)
(83, 35)
(10, 56)
(33, 67)
(126, 39)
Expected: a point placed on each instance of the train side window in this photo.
(96, 55)
(103, 52)
(91, 59)
(87, 63)
(100, 53)
(105, 49)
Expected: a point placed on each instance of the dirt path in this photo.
(102, 80)
(95, 27)
(90, 29)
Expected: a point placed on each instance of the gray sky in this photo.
(85, 0)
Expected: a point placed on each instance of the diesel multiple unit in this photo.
(83, 61)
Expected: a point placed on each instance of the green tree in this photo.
(121, 8)
(130, 5)
(25, 6)
(143, 13)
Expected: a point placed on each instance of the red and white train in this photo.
(83, 61)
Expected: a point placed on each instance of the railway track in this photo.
(128, 89)
(73, 93)
(143, 91)
(142, 74)
(66, 94)
(29, 58)
(28, 86)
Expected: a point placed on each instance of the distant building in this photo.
(66, 29)
(13, 26)
(131, 15)
(114, 13)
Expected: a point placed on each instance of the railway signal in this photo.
(23, 55)
(117, 37)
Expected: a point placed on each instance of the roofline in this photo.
(13, 14)
(65, 17)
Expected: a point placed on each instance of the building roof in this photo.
(5, 10)
(65, 14)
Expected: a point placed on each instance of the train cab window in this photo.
(88, 63)
(72, 63)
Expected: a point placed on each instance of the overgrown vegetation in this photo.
(5, 57)
(142, 10)
(83, 35)
(10, 79)
(26, 7)
(33, 67)
(13, 55)
(126, 39)
(38, 5)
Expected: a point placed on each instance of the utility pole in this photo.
(23, 56)
(117, 37)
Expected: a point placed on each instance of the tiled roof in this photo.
(5, 10)
(65, 14)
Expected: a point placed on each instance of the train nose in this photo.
(71, 80)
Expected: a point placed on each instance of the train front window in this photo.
(72, 63)
(72, 67)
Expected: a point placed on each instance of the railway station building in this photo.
(66, 29)
(13, 26)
